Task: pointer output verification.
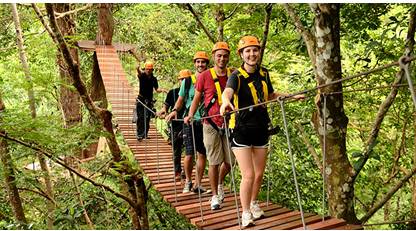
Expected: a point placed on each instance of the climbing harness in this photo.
(255, 95)
(293, 161)
(216, 97)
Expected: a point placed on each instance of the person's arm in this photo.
(161, 114)
(178, 106)
(274, 95)
(159, 90)
(194, 106)
(226, 100)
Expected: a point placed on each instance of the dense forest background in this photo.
(48, 124)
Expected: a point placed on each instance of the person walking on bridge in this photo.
(177, 126)
(210, 84)
(147, 82)
(250, 84)
(186, 94)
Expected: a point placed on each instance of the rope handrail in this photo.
(404, 59)
(284, 98)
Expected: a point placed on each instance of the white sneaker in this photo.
(220, 191)
(247, 219)
(215, 203)
(188, 186)
(255, 209)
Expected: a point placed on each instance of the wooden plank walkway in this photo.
(155, 158)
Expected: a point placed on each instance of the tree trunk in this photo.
(412, 225)
(338, 170)
(102, 115)
(104, 37)
(9, 176)
(268, 11)
(31, 95)
(219, 18)
(69, 99)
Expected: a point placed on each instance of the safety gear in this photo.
(185, 73)
(216, 97)
(255, 209)
(148, 65)
(201, 55)
(247, 41)
(254, 94)
(220, 46)
(247, 219)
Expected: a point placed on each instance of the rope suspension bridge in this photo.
(156, 159)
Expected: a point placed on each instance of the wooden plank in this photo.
(154, 156)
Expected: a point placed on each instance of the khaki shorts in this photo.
(217, 146)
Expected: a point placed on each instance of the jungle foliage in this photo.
(371, 35)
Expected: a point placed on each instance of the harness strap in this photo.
(216, 96)
(254, 93)
(217, 84)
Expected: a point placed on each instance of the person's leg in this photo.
(244, 158)
(188, 161)
(213, 173)
(201, 150)
(212, 144)
(259, 163)
(177, 148)
(147, 116)
(140, 120)
(200, 165)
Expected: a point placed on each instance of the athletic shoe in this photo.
(255, 209)
(188, 186)
(220, 191)
(198, 189)
(215, 203)
(247, 219)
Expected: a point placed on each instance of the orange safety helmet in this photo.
(148, 65)
(201, 55)
(220, 46)
(247, 41)
(185, 73)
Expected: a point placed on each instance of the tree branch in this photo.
(232, 12)
(387, 196)
(384, 107)
(61, 162)
(40, 193)
(268, 10)
(47, 27)
(311, 149)
(60, 15)
(306, 34)
(196, 16)
(73, 67)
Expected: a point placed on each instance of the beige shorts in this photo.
(217, 146)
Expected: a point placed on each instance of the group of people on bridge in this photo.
(199, 112)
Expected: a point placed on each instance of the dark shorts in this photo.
(244, 137)
(188, 141)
